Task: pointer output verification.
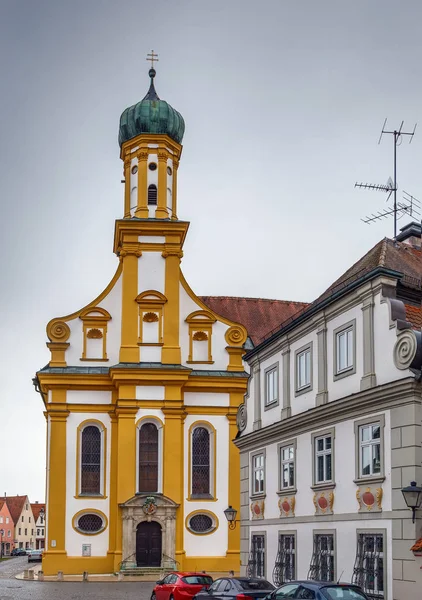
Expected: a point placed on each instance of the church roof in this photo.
(258, 315)
(151, 115)
(36, 509)
(15, 506)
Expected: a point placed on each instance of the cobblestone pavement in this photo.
(14, 589)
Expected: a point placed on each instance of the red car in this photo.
(180, 585)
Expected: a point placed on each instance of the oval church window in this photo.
(201, 523)
(90, 523)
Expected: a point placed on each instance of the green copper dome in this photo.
(151, 115)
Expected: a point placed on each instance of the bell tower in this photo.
(150, 137)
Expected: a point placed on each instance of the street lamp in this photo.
(412, 495)
(231, 513)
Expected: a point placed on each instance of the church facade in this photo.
(142, 391)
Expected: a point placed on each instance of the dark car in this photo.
(236, 588)
(18, 552)
(180, 585)
(318, 590)
(35, 556)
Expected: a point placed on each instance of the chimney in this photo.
(411, 234)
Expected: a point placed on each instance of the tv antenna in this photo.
(410, 204)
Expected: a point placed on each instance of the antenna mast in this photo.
(391, 186)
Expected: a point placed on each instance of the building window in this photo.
(38, 532)
(148, 458)
(202, 523)
(256, 563)
(345, 350)
(368, 571)
(303, 371)
(26, 531)
(9, 533)
(201, 462)
(258, 473)
(322, 567)
(323, 447)
(7, 520)
(90, 523)
(369, 435)
(92, 448)
(22, 519)
(285, 562)
(29, 519)
(287, 459)
(271, 386)
(20, 531)
(1, 519)
(152, 195)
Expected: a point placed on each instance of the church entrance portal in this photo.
(148, 544)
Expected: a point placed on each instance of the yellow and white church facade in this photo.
(142, 391)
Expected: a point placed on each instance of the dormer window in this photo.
(152, 195)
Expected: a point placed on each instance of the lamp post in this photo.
(231, 513)
(412, 495)
(1, 543)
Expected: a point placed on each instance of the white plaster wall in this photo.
(214, 544)
(151, 239)
(350, 384)
(218, 348)
(385, 339)
(271, 415)
(151, 272)
(150, 392)
(150, 354)
(206, 399)
(345, 534)
(73, 539)
(149, 412)
(306, 400)
(111, 303)
(88, 397)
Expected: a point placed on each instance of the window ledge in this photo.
(95, 359)
(271, 404)
(261, 496)
(200, 362)
(303, 390)
(345, 373)
(201, 499)
(371, 479)
(325, 485)
(90, 496)
(287, 492)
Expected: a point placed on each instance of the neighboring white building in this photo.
(38, 510)
(330, 432)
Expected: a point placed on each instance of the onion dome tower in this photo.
(150, 137)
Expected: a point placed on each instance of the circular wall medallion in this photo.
(134, 170)
(285, 506)
(322, 502)
(368, 498)
(242, 417)
(152, 166)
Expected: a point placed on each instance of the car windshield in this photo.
(197, 580)
(343, 592)
(255, 584)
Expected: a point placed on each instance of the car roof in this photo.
(320, 584)
(186, 573)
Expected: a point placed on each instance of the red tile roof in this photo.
(36, 509)
(414, 315)
(15, 506)
(258, 315)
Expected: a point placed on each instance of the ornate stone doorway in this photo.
(149, 531)
(148, 544)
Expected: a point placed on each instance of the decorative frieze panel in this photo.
(286, 504)
(324, 502)
(257, 510)
(369, 499)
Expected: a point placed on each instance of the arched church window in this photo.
(148, 458)
(152, 194)
(91, 460)
(201, 463)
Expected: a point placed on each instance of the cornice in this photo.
(383, 397)
(175, 231)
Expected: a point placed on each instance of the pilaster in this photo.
(126, 170)
(129, 254)
(174, 198)
(286, 408)
(161, 210)
(142, 206)
(256, 370)
(369, 379)
(233, 546)
(170, 353)
(322, 394)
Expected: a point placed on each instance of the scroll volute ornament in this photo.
(407, 351)
(58, 331)
(236, 335)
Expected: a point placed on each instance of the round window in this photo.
(169, 171)
(201, 523)
(90, 523)
(134, 169)
(152, 166)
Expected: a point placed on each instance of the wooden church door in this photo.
(148, 544)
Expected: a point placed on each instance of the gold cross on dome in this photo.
(152, 57)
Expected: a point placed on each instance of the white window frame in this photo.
(306, 386)
(159, 426)
(282, 462)
(323, 453)
(350, 367)
(257, 468)
(371, 443)
(271, 386)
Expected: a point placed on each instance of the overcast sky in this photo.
(283, 103)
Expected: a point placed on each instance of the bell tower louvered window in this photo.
(152, 195)
(148, 458)
(91, 460)
(201, 463)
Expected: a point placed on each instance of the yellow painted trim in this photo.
(141, 141)
(161, 211)
(142, 201)
(56, 491)
(213, 475)
(129, 349)
(89, 511)
(160, 424)
(171, 353)
(149, 418)
(103, 430)
(202, 512)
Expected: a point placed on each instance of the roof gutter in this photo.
(324, 303)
